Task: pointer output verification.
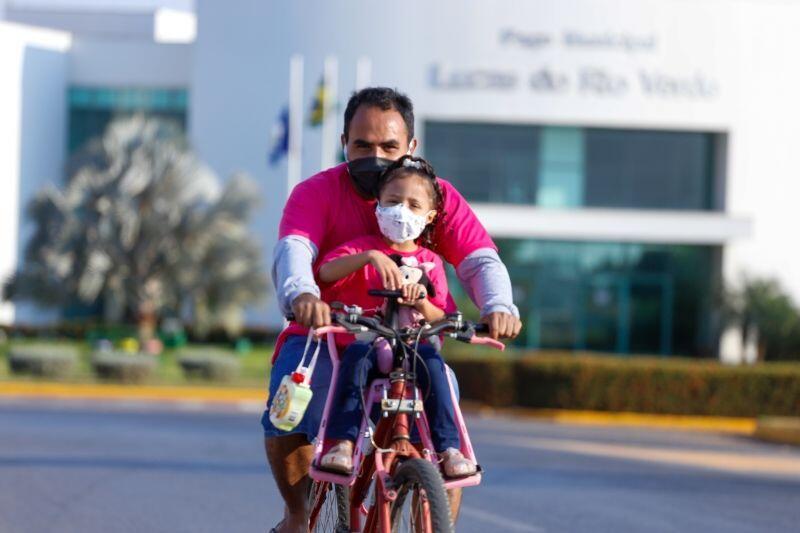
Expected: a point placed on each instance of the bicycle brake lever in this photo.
(488, 341)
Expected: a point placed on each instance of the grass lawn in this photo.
(255, 365)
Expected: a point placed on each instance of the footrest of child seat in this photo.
(478, 472)
(334, 476)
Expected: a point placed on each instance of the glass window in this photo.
(486, 162)
(567, 167)
(561, 167)
(92, 108)
(648, 169)
(613, 297)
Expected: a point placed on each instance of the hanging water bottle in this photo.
(294, 393)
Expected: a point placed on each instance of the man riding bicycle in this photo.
(336, 206)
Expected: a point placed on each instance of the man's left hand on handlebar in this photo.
(502, 325)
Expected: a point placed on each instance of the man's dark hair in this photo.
(383, 98)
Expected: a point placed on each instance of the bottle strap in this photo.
(309, 370)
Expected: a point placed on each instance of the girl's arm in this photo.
(336, 269)
(341, 267)
(428, 310)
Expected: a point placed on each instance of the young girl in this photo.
(409, 201)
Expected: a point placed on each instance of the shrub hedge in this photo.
(43, 360)
(123, 367)
(210, 364)
(634, 384)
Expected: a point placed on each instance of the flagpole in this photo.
(329, 112)
(363, 72)
(295, 151)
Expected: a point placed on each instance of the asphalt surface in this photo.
(89, 467)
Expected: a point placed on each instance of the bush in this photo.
(209, 364)
(489, 380)
(638, 384)
(43, 360)
(123, 367)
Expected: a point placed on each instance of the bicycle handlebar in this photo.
(385, 293)
(461, 330)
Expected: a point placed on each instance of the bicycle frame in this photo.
(379, 463)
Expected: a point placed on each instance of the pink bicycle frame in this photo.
(363, 447)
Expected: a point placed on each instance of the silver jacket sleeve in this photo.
(292, 271)
(486, 280)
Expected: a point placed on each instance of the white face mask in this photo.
(398, 223)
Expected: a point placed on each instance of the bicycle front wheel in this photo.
(330, 508)
(421, 505)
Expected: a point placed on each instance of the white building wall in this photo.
(130, 63)
(764, 177)
(32, 136)
(712, 65)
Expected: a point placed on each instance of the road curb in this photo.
(738, 426)
(102, 391)
(253, 396)
(780, 430)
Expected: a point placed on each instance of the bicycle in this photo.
(394, 485)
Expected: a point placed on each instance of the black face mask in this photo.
(365, 172)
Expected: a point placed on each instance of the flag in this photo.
(320, 104)
(280, 137)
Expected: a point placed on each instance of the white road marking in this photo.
(774, 465)
(498, 521)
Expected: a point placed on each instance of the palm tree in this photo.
(143, 228)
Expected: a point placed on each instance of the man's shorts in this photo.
(286, 363)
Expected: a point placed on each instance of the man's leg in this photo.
(289, 458)
(290, 455)
(454, 496)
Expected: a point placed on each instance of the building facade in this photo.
(629, 158)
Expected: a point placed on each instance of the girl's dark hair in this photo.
(410, 165)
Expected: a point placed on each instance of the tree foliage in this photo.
(145, 229)
(763, 303)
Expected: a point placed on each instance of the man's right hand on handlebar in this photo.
(310, 311)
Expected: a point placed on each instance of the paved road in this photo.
(86, 468)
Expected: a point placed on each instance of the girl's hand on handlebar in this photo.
(413, 294)
(389, 272)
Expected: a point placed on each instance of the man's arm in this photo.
(292, 273)
(464, 242)
(486, 280)
(293, 278)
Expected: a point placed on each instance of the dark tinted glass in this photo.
(486, 162)
(648, 169)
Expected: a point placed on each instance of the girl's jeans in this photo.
(357, 370)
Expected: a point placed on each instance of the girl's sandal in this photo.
(456, 465)
(339, 458)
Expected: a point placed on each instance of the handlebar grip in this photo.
(480, 327)
(385, 293)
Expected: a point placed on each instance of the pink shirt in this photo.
(352, 289)
(326, 210)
